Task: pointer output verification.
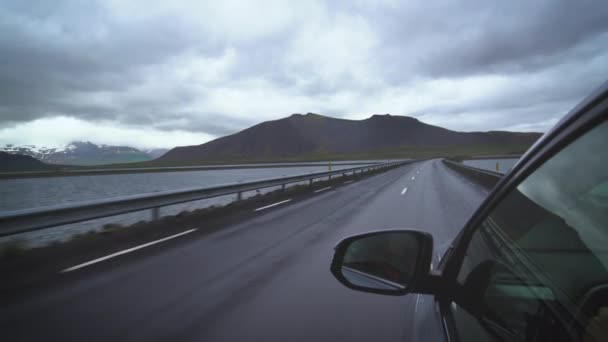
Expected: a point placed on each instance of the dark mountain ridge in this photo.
(17, 163)
(310, 135)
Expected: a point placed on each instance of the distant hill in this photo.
(16, 163)
(156, 152)
(80, 153)
(314, 136)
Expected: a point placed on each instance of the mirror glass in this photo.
(383, 261)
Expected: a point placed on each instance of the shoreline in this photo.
(118, 171)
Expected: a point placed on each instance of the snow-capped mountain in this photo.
(80, 153)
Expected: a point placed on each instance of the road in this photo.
(266, 279)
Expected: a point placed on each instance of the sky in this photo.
(154, 74)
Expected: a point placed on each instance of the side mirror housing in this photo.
(390, 262)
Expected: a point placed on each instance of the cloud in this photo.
(72, 129)
(453, 38)
(206, 69)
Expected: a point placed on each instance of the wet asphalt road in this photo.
(266, 279)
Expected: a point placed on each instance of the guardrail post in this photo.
(310, 182)
(239, 196)
(155, 213)
(283, 187)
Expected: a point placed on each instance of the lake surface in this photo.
(16, 194)
(504, 165)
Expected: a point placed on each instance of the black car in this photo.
(530, 265)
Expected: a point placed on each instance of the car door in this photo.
(532, 263)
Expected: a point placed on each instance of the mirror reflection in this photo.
(382, 261)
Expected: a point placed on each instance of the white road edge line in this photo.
(88, 263)
(272, 205)
(350, 181)
(329, 187)
(404, 191)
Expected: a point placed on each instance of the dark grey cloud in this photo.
(182, 66)
(51, 51)
(455, 38)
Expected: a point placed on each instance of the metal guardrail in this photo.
(472, 168)
(489, 179)
(21, 221)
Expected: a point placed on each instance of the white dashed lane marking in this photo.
(88, 263)
(272, 205)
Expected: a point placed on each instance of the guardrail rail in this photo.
(488, 179)
(22, 221)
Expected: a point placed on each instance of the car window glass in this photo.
(536, 268)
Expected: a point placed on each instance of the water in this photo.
(504, 165)
(16, 194)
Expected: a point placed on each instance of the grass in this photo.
(409, 152)
(12, 249)
(404, 152)
(86, 235)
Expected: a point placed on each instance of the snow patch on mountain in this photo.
(81, 153)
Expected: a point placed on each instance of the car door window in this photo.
(536, 268)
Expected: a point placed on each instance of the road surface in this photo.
(266, 279)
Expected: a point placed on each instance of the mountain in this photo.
(80, 153)
(313, 136)
(156, 152)
(15, 162)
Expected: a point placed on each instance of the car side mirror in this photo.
(391, 262)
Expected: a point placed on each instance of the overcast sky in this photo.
(146, 74)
